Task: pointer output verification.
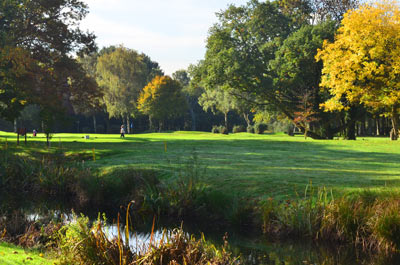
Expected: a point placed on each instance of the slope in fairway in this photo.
(247, 164)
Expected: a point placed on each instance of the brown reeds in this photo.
(372, 224)
(80, 244)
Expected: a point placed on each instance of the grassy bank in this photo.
(245, 164)
(13, 255)
(240, 180)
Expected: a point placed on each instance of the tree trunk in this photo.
(108, 125)
(377, 126)
(226, 120)
(351, 131)
(150, 124)
(128, 125)
(15, 125)
(362, 128)
(246, 118)
(394, 133)
(160, 126)
(94, 124)
(193, 116)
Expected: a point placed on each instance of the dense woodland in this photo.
(302, 66)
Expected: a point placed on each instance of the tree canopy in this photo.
(122, 74)
(162, 99)
(362, 65)
(37, 41)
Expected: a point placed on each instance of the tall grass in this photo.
(367, 221)
(80, 243)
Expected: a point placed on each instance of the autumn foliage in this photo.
(162, 99)
(362, 65)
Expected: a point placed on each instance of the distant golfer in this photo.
(122, 131)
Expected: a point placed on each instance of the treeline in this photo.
(328, 67)
(294, 65)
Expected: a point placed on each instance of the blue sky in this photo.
(171, 32)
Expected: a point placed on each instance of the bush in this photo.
(223, 130)
(250, 129)
(260, 128)
(238, 129)
(215, 129)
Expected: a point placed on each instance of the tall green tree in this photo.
(191, 94)
(240, 48)
(122, 74)
(218, 99)
(266, 50)
(37, 39)
(298, 74)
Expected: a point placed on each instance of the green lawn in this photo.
(247, 164)
(12, 255)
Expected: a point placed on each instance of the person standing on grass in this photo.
(122, 131)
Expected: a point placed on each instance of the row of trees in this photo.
(302, 59)
(49, 66)
(37, 40)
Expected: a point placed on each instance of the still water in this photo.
(252, 248)
(256, 249)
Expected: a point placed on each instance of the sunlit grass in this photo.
(12, 255)
(246, 164)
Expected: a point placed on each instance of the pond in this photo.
(252, 248)
(256, 249)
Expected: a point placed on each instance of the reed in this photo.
(365, 220)
(80, 243)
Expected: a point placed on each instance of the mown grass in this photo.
(13, 255)
(245, 164)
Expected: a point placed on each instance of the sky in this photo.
(172, 32)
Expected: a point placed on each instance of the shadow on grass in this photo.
(252, 167)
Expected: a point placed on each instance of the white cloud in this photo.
(171, 32)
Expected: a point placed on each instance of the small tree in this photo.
(305, 115)
(162, 99)
(218, 100)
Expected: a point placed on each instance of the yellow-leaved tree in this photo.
(162, 99)
(362, 65)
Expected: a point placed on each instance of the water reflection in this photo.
(256, 250)
(252, 249)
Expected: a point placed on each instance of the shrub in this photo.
(238, 129)
(223, 130)
(215, 129)
(250, 129)
(260, 128)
